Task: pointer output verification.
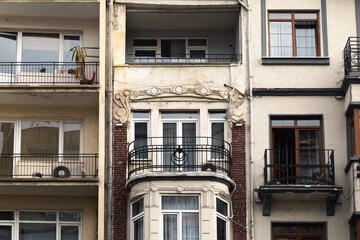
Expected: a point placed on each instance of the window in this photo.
(297, 152)
(37, 47)
(180, 216)
(222, 222)
(170, 50)
(217, 130)
(40, 225)
(140, 133)
(293, 34)
(137, 220)
(303, 231)
(354, 121)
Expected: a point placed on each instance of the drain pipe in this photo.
(248, 40)
(110, 145)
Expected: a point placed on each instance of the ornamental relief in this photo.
(122, 108)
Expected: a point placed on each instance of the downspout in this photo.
(110, 145)
(248, 40)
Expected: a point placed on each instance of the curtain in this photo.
(180, 203)
(190, 226)
(139, 229)
(281, 39)
(170, 227)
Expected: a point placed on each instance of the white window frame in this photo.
(179, 215)
(216, 120)
(140, 120)
(137, 217)
(16, 222)
(225, 218)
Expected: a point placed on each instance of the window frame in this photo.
(293, 20)
(140, 120)
(354, 131)
(298, 235)
(178, 214)
(217, 120)
(133, 219)
(225, 218)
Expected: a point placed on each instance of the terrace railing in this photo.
(47, 73)
(174, 154)
(49, 166)
(183, 58)
(352, 55)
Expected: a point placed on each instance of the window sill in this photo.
(295, 61)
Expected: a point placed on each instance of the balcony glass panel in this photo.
(39, 137)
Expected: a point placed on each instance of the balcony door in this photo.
(297, 150)
(6, 231)
(179, 131)
(6, 148)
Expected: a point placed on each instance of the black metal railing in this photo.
(183, 58)
(299, 166)
(12, 73)
(49, 166)
(352, 55)
(173, 154)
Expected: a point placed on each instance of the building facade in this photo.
(52, 125)
(179, 120)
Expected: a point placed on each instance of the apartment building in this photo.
(305, 119)
(52, 139)
(179, 120)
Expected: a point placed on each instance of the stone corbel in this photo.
(122, 112)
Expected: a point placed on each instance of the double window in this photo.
(170, 50)
(301, 231)
(180, 217)
(37, 46)
(40, 225)
(294, 34)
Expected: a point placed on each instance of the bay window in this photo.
(293, 34)
(180, 217)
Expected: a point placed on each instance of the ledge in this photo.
(295, 61)
(180, 176)
(297, 92)
(352, 160)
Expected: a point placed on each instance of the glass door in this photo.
(6, 149)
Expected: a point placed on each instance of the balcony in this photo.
(48, 73)
(170, 155)
(48, 167)
(293, 174)
(352, 56)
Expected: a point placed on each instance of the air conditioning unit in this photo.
(68, 170)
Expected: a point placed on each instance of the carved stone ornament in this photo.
(122, 105)
(203, 91)
(179, 90)
(235, 113)
(155, 91)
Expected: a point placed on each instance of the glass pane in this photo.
(179, 115)
(173, 49)
(305, 16)
(217, 115)
(180, 203)
(39, 137)
(6, 215)
(170, 227)
(309, 154)
(221, 229)
(197, 42)
(169, 142)
(311, 229)
(140, 143)
(145, 42)
(308, 123)
(8, 47)
(70, 42)
(70, 216)
(188, 157)
(5, 232)
(72, 138)
(282, 123)
(69, 233)
(279, 15)
(197, 54)
(285, 229)
(190, 226)
(38, 216)
(138, 207)
(221, 207)
(6, 138)
(40, 47)
(141, 115)
(217, 138)
(38, 231)
(145, 53)
(139, 229)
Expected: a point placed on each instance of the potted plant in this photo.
(78, 54)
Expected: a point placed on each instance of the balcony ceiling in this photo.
(182, 20)
(63, 10)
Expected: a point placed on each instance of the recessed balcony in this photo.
(174, 157)
(45, 167)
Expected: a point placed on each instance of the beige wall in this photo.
(87, 206)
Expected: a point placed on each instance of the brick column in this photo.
(119, 183)
(239, 177)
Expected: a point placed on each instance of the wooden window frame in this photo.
(354, 126)
(292, 20)
(298, 235)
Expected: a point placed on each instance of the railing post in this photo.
(54, 73)
(265, 167)
(11, 73)
(332, 167)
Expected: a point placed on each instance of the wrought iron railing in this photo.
(173, 154)
(49, 166)
(48, 73)
(183, 58)
(352, 55)
(299, 166)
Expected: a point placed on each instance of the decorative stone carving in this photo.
(235, 113)
(205, 189)
(203, 91)
(179, 90)
(122, 105)
(179, 189)
(154, 188)
(154, 91)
